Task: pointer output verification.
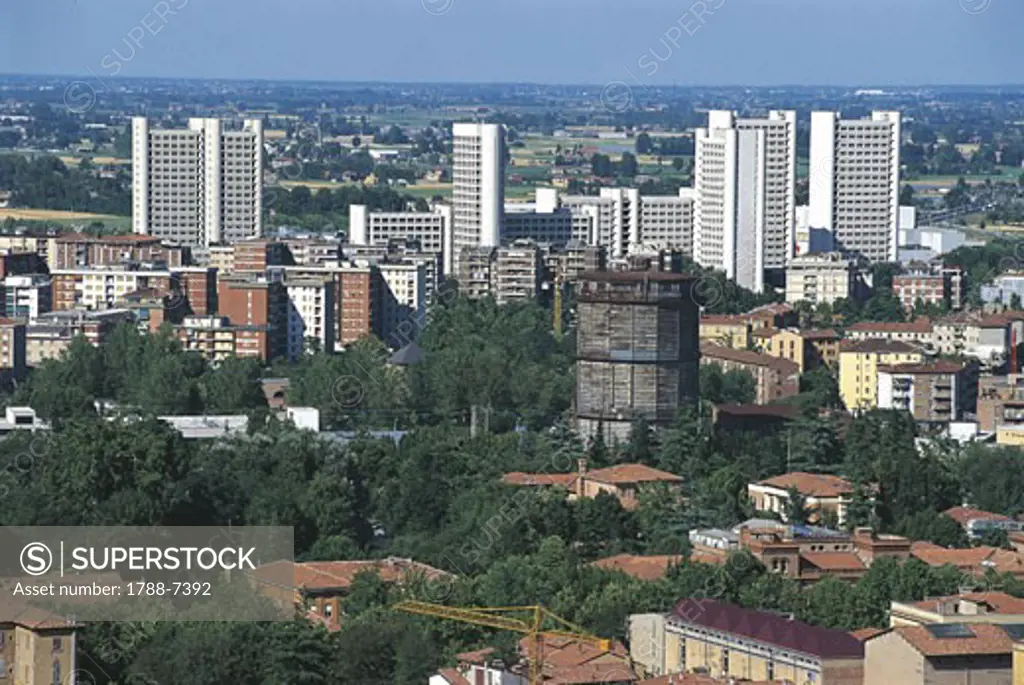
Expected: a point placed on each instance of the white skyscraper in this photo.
(197, 186)
(779, 184)
(729, 212)
(745, 195)
(855, 182)
(478, 185)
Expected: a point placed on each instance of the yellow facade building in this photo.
(37, 648)
(858, 368)
(729, 642)
(725, 330)
(810, 349)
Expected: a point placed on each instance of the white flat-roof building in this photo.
(478, 185)
(666, 221)
(198, 186)
(855, 182)
(432, 230)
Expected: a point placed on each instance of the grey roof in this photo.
(407, 356)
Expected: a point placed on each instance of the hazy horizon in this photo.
(723, 43)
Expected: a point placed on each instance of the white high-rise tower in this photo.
(729, 212)
(478, 185)
(855, 182)
(197, 186)
(745, 195)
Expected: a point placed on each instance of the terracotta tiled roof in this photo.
(749, 357)
(564, 480)
(997, 602)
(811, 484)
(768, 628)
(985, 639)
(325, 575)
(878, 346)
(571, 662)
(722, 320)
(915, 326)
(937, 367)
(819, 334)
(976, 560)
(642, 567)
(477, 656)
(964, 515)
(771, 309)
(453, 677)
(631, 473)
(865, 634)
(834, 561)
(34, 617)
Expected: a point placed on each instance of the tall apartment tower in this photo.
(745, 195)
(478, 185)
(197, 186)
(855, 182)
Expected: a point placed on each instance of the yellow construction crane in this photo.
(528, 620)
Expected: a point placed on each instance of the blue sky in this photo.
(750, 42)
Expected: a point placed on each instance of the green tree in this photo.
(643, 144)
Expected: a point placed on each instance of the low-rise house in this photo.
(941, 654)
(775, 378)
(967, 607)
(824, 495)
(859, 361)
(37, 647)
(727, 641)
(975, 561)
(623, 481)
(318, 588)
(976, 522)
(808, 555)
(652, 566)
(803, 553)
(566, 662)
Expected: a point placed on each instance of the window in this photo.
(56, 673)
(682, 654)
(57, 646)
(328, 609)
(725, 662)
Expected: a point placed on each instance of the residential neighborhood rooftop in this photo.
(811, 484)
(772, 629)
